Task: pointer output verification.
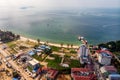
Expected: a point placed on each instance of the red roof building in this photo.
(82, 74)
(52, 74)
(108, 69)
(104, 51)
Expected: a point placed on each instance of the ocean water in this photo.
(96, 25)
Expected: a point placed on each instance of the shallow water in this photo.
(96, 25)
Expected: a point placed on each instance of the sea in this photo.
(63, 26)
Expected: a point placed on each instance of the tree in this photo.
(61, 45)
(118, 45)
(71, 45)
(111, 46)
(102, 45)
(18, 36)
(15, 74)
(68, 45)
(38, 40)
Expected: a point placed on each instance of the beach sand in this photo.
(51, 44)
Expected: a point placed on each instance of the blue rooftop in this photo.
(15, 79)
(31, 53)
(105, 54)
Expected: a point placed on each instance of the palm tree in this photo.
(47, 42)
(68, 45)
(61, 45)
(71, 45)
(38, 40)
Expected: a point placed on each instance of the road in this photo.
(16, 67)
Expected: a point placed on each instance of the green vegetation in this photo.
(15, 75)
(73, 51)
(8, 36)
(54, 48)
(39, 58)
(54, 63)
(11, 44)
(23, 47)
(29, 68)
(117, 53)
(75, 63)
(113, 46)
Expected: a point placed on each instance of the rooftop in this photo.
(33, 62)
(110, 69)
(105, 53)
(82, 74)
(52, 73)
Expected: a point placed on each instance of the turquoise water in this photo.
(96, 25)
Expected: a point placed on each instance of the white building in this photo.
(34, 64)
(83, 54)
(104, 57)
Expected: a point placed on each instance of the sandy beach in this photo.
(42, 42)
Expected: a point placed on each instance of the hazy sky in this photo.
(58, 4)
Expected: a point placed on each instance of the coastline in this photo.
(42, 42)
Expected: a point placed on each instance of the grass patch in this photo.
(29, 68)
(73, 51)
(39, 58)
(74, 63)
(54, 63)
(54, 48)
(11, 44)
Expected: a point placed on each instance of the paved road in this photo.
(16, 67)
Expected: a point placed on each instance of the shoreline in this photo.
(22, 38)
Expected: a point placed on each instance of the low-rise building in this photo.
(82, 74)
(34, 65)
(52, 74)
(107, 70)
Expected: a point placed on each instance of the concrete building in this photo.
(104, 57)
(107, 70)
(52, 74)
(83, 54)
(34, 65)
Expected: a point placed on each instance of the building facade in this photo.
(104, 57)
(83, 54)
